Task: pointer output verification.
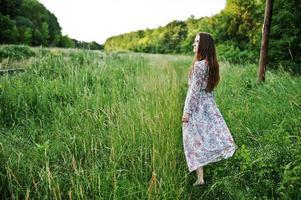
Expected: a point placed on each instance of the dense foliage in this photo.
(29, 22)
(15, 52)
(237, 30)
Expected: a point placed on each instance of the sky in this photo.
(97, 20)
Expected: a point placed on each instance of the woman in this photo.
(206, 137)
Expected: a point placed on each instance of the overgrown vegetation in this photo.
(84, 125)
(15, 52)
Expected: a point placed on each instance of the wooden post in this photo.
(265, 40)
(11, 71)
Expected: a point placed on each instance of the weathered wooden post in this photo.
(11, 71)
(265, 40)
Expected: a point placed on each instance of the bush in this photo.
(15, 52)
(231, 53)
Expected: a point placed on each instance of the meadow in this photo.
(80, 124)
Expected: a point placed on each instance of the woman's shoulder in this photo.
(202, 64)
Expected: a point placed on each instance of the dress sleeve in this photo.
(196, 82)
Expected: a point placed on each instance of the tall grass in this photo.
(82, 125)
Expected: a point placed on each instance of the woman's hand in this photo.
(185, 118)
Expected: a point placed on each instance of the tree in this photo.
(265, 40)
(44, 33)
(8, 31)
(65, 41)
(25, 27)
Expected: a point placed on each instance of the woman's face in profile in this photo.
(196, 43)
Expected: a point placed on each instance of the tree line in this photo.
(236, 29)
(29, 22)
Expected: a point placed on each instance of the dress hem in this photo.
(232, 149)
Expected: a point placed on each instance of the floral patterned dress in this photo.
(206, 137)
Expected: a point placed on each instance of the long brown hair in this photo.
(206, 50)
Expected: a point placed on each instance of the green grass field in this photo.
(88, 125)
